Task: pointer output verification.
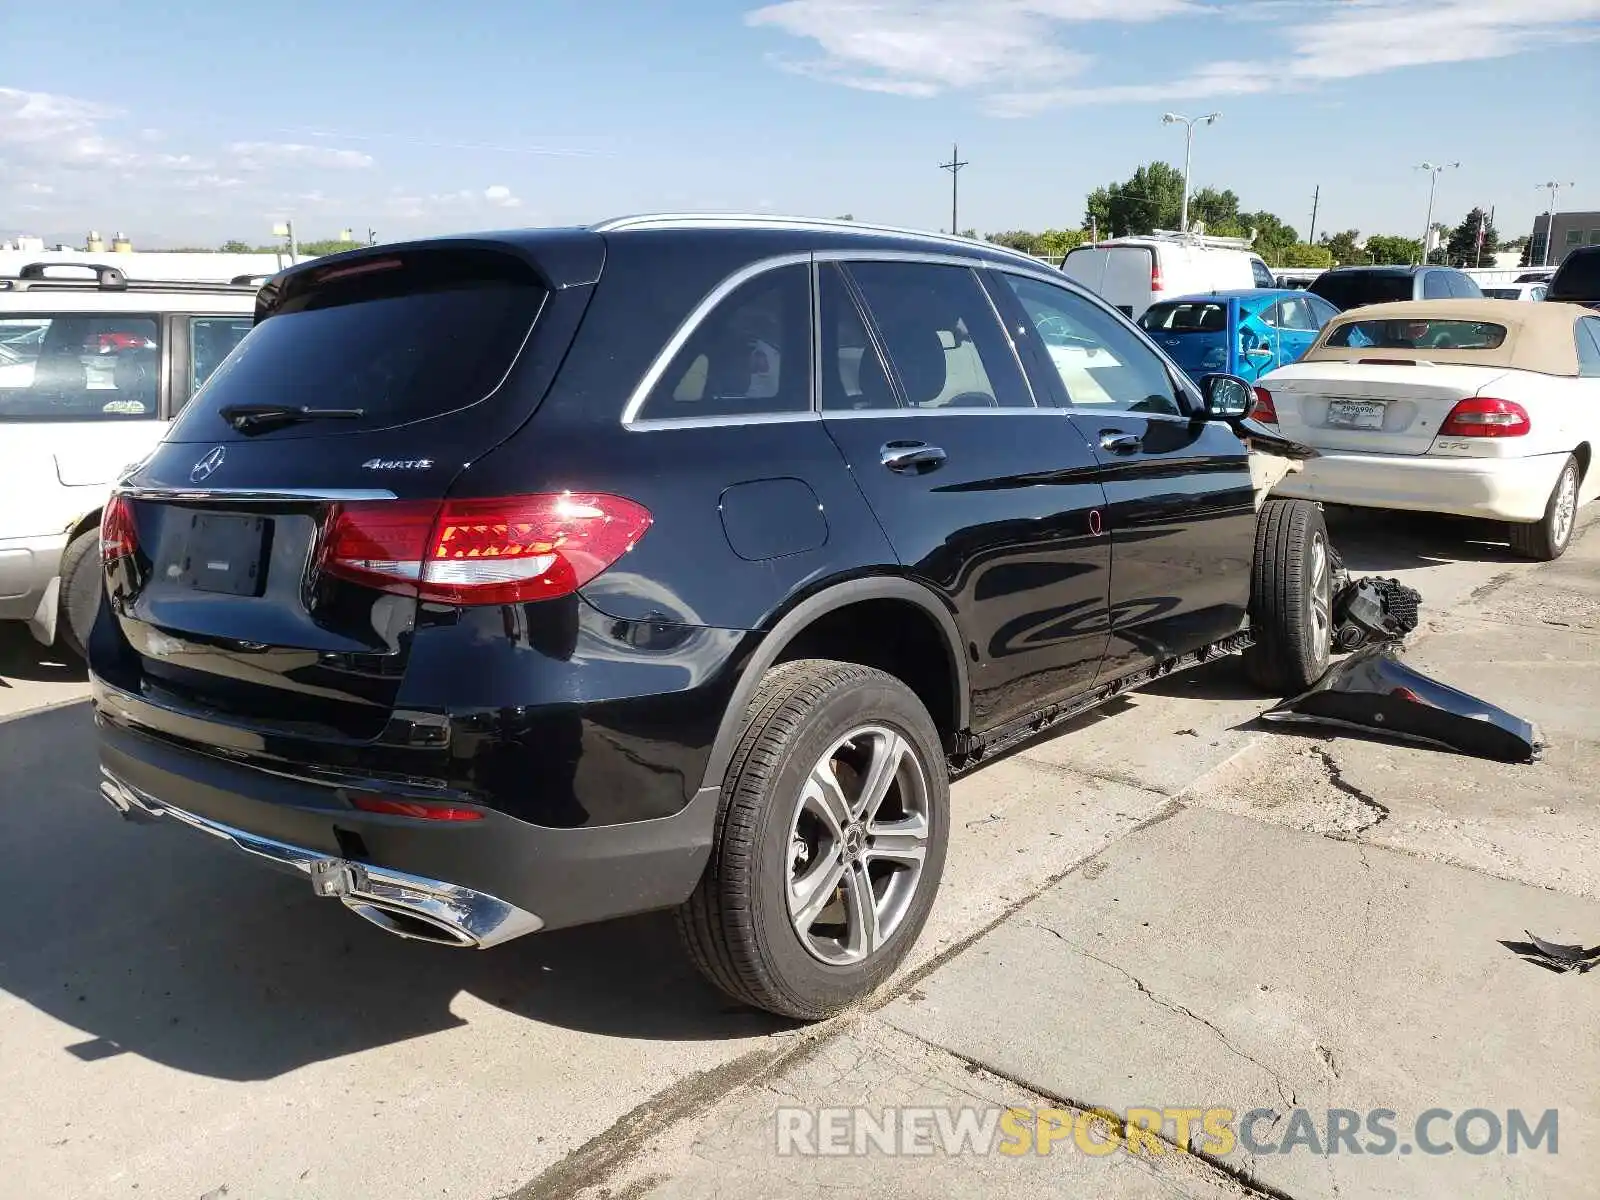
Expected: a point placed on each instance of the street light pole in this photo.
(1188, 154)
(1550, 217)
(1434, 171)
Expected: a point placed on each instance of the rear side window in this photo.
(1418, 335)
(1263, 277)
(212, 339)
(1588, 331)
(1295, 312)
(943, 339)
(1578, 277)
(79, 367)
(750, 356)
(1362, 287)
(401, 337)
(1436, 286)
(1464, 286)
(1186, 317)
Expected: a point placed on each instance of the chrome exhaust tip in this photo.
(406, 905)
(413, 925)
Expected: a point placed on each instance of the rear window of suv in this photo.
(1185, 317)
(79, 366)
(402, 337)
(1362, 287)
(1578, 277)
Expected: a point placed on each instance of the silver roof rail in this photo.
(816, 224)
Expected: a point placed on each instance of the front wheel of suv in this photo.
(1291, 597)
(830, 842)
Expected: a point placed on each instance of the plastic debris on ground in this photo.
(1374, 691)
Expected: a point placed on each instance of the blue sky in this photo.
(415, 117)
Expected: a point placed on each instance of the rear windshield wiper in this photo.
(245, 417)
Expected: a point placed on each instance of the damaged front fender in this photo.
(1373, 690)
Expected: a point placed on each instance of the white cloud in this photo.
(1013, 54)
(500, 196)
(920, 48)
(256, 156)
(51, 130)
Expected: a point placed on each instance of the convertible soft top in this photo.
(1539, 337)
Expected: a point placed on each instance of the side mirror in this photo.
(1227, 397)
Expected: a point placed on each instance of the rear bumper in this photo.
(1504, 489)
(489, 880)
(28, 568)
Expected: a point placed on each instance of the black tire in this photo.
(1549, 538)
(1287, 596)
(79, 602)
(737, 926)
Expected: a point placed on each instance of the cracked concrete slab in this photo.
(732, 1151)
(1537, 822)
(1216, 960)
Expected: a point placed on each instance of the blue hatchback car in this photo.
(1245, 333)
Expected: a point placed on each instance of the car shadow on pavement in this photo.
(23, 658)
(156, 941)
(1373, 542)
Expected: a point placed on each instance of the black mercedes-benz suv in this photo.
(518, 581)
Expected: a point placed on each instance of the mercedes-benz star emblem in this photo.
(207, 466)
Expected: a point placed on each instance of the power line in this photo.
(954, 167)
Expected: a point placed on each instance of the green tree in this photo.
(1218, 210)
(1385, 248)
(1475, 230)
(970, 233)
(1343, 248)
(1151, 198)
(1015, 239)
(1273, 237)
(235, 246)
(1054, 243)
(1303, 254)
(327, 246)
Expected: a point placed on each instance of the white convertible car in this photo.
(1479, 408)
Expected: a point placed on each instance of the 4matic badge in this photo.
(397, 464)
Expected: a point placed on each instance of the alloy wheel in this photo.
(857, 843)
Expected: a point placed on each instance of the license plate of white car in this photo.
(1355, 414)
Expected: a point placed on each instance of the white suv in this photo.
(91, 371)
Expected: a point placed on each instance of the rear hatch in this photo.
(1354, 289)
(1196, 334)
(1577, 280)
(1376, 408)
(263, 583)
(1122, 275)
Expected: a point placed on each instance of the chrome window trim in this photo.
(649, 423)
(631, 420)
(253, 495)
(851, 414)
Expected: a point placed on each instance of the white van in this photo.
(1133, 273)
(91, 372)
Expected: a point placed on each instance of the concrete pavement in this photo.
(174, 1022)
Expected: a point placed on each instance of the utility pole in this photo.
(1434, 171)
(1550, 218)
(1188, 124)
(954, 167)
(1316, 196)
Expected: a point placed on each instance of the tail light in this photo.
(1484, 416)
(506, 550)
(118, 538)
(1264, 412)
(1155, 273)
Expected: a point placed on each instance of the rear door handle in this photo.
(1120, 443)
(911, 458)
